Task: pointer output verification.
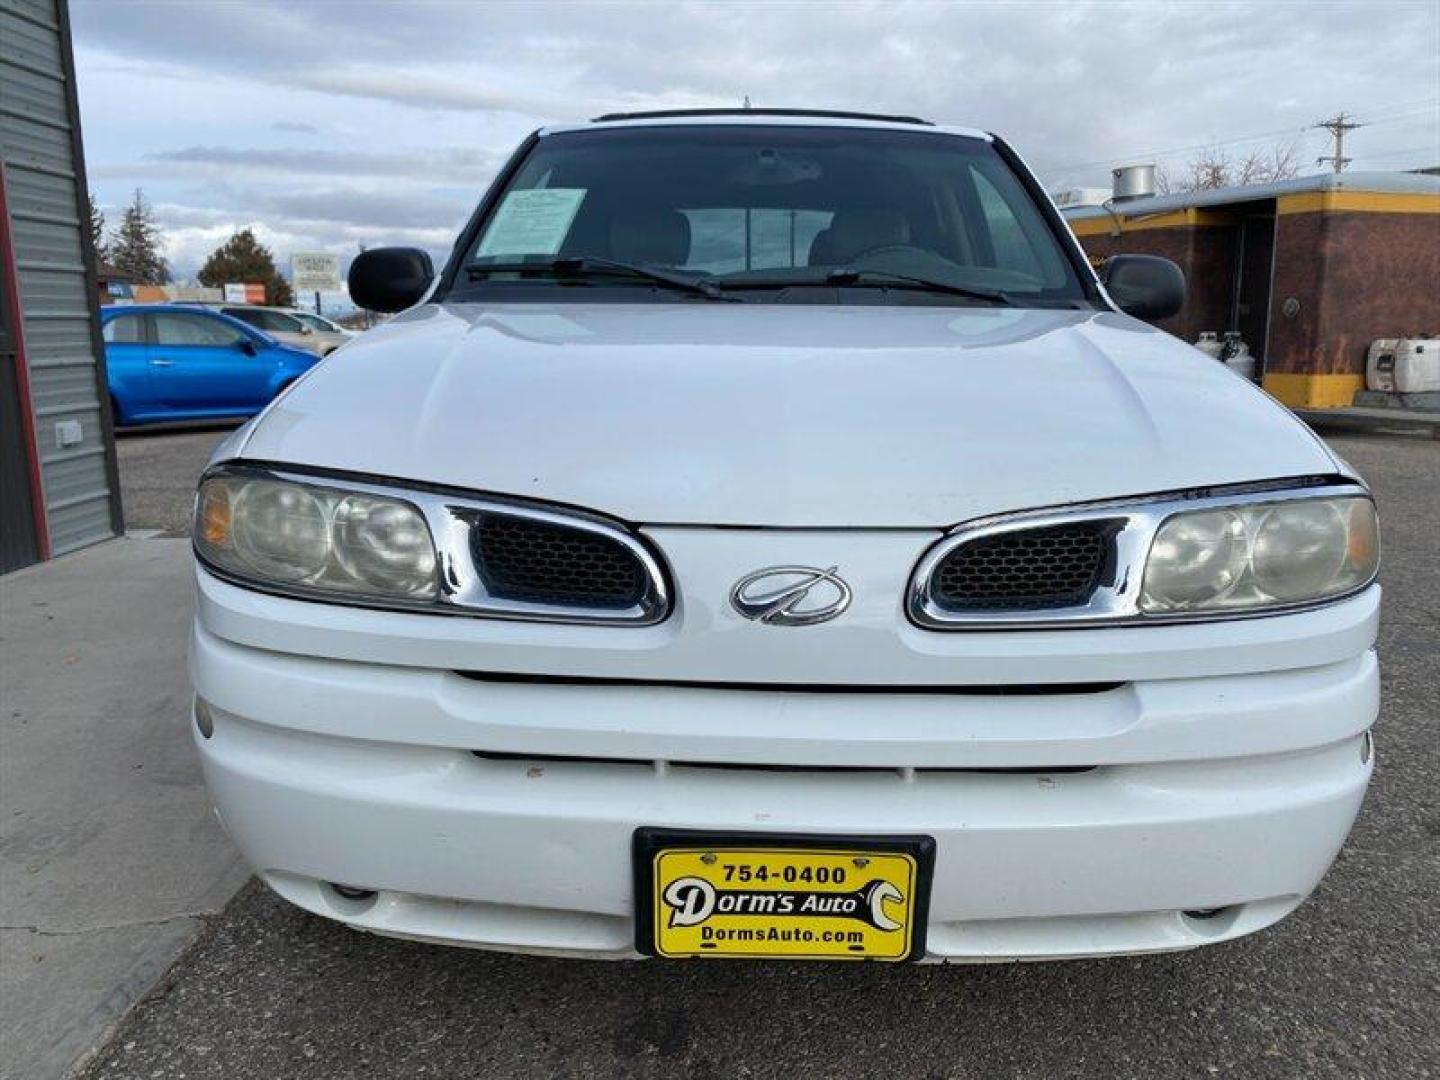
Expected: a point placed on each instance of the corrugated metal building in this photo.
(1310, 271)
(60, 488)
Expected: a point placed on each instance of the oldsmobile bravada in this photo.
(766, 536)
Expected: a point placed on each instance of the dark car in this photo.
(168, 362)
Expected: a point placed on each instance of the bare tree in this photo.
(1278, 162)
(1211, 168)
(1214, 168)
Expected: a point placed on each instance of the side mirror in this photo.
(390, 279)
(306, 329)
(248, 347)
(1145, 286)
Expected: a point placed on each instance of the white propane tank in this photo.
(1241, 361)
(1235, 355)
(1403, 365)
(1209, 344)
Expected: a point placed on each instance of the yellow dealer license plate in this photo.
(782, 897)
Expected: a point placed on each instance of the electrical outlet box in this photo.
(69, 433)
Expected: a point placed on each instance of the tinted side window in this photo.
(175, 329)
(265, 320)
(125, 330)
(245, 315)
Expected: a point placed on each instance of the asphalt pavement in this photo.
(111, 860)
(1349, 986)
(159, 468)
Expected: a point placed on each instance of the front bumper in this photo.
(1229, 792)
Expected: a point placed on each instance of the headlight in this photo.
(1261, 555)
(373, 543)
(298, 534)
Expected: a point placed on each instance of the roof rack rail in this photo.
(826, 114)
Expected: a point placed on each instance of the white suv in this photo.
(766, 537)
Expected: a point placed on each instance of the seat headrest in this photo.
(650, 236)
(854, 231)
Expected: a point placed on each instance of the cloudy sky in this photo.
(329, 124)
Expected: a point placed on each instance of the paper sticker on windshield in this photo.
(532, 222)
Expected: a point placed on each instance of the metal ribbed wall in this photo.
(46, 193)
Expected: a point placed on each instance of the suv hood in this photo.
(782, 415)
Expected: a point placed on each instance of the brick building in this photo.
(1309, 270)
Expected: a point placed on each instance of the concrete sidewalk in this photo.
(110, 857)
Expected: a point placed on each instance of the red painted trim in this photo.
(10, 278)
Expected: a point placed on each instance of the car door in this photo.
(126, 367)
(328, 337)
(199, 363)
(283, 328)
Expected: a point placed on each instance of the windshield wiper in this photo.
(850, 275)
(580, 266)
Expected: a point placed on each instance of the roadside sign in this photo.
(234, 293)
(315, 271)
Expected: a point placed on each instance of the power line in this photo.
(1383, 114)
(1337, 125)
(1431, 151)
(1145, 155)
(1386, 111)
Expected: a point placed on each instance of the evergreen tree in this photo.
(136, 245)
(97, 230)
(243, 259)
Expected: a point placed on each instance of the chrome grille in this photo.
(541, 562)
(1053, 567)
(994, 584)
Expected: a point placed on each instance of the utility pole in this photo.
(1337, 126)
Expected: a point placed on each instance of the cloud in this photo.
(424, 90)
(454, 164)
(388, 120)
(192, 233)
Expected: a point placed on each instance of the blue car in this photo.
(168, 362)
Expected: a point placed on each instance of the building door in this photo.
(1251, 312)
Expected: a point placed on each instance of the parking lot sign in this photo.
(315, 271)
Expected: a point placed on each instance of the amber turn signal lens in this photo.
(1363, 548)
(215, 515)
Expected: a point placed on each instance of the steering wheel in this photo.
(881, 249)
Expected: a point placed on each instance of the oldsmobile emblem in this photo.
(790, 595)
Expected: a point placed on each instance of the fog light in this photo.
(204, 721)
(350, 892)
(1204, 913)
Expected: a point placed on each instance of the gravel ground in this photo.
(1348, 986)
(159, 468)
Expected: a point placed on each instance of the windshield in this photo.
(747, 206)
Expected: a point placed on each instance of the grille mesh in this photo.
(537, 562)
(1057, 566)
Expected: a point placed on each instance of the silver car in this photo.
(287, 327)
(323, 326)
